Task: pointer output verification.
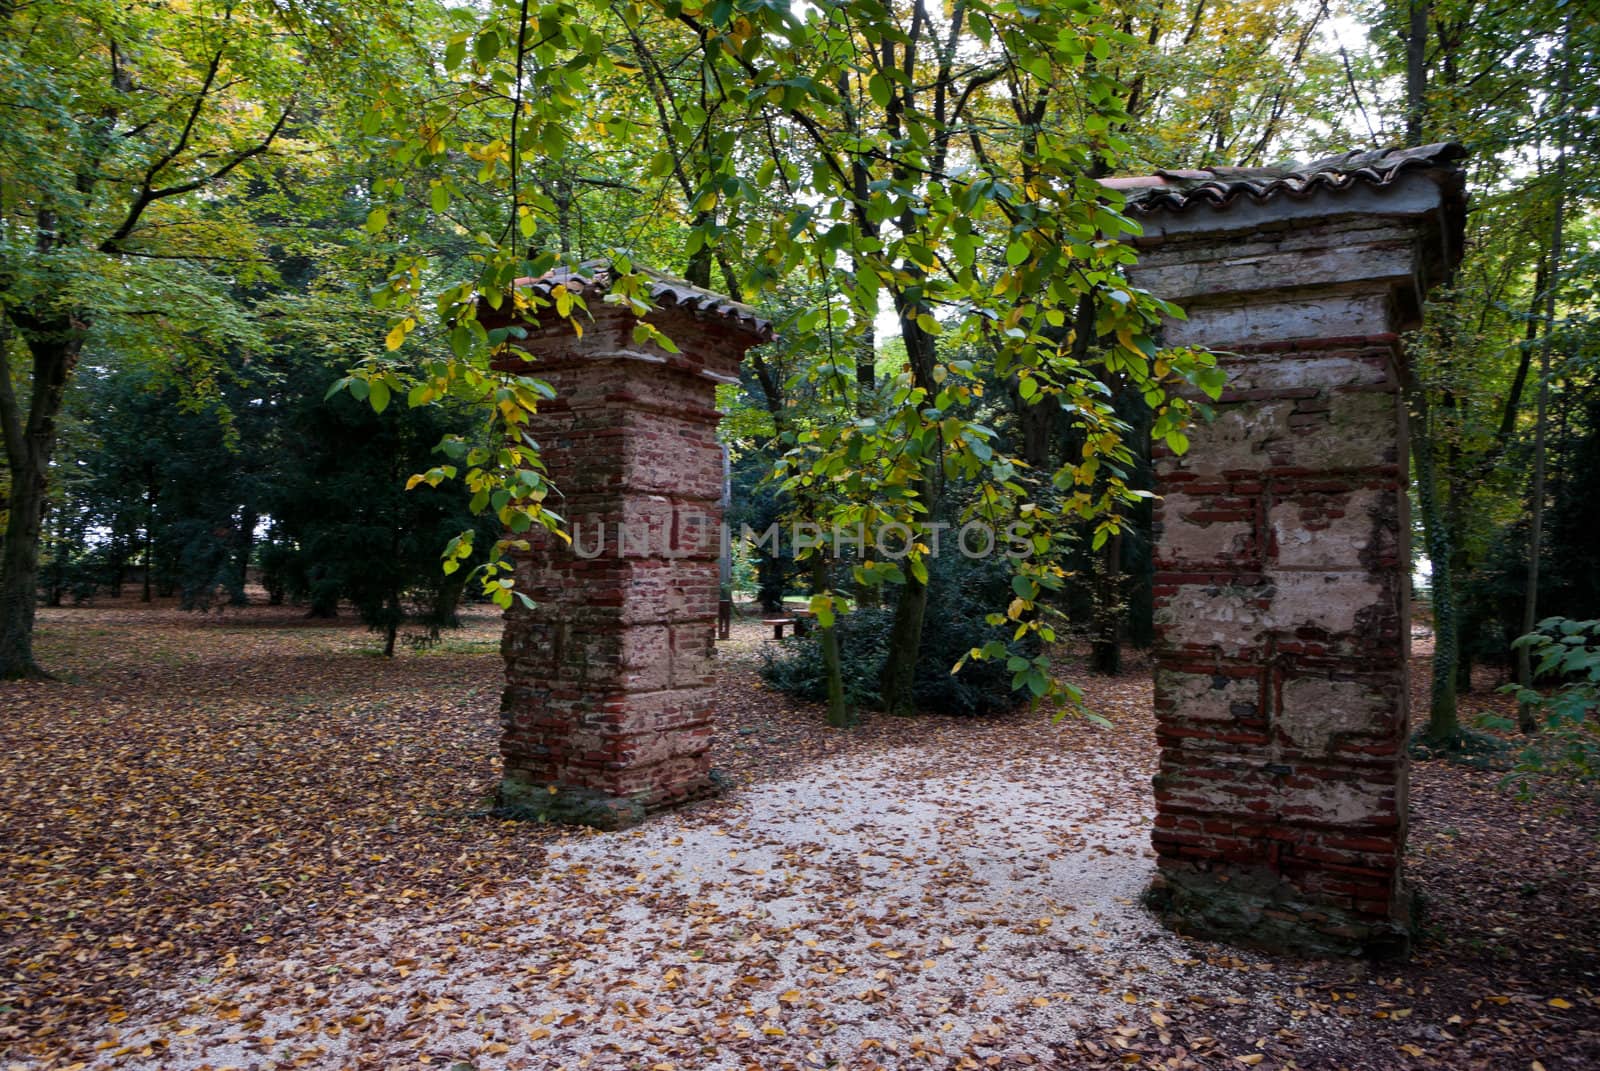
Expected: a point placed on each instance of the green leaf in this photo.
(880, 90)
(378, 394)
(486, 47)
(919, 569)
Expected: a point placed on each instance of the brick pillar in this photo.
(1281, 580)
(608, 704)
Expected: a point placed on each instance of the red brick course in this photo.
(608, 705)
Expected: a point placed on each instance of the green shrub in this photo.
(962, 593)
(1567, 746)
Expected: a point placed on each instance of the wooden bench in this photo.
(800, 619)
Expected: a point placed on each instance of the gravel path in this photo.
(921, 907)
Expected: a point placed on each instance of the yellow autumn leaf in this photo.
(1560, 1002)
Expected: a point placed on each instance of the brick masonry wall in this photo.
(1281, 688)
(1281, 560)
(607, 709)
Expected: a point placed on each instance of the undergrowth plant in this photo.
(1567, 653)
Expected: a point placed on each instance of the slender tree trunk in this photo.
(1443, 718)
(245, 541)
(149, 536)
(1447, 601)
(1105, 644)
(1416, 71)
(1530, 605)
(866, 383)
(840, 716)
(905, 638)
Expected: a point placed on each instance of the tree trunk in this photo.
(149, 537)
(54, 346)
(19, 574)
(244, 543)
(1038, 424)
(1416, 71)
(54, 577)
(1105, 644)
(391, 624)
(1443, 720)
(905, 639)
(905, 644)
(840, 716)
(866, 383)
(446, 601)
(1526, 720)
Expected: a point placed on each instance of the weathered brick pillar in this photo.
(1281, 564)
(608, 702)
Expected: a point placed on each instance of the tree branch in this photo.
(148, 196)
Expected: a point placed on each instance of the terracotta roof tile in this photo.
(1177, 191)
(593, 278)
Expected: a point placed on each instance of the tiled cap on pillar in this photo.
(608, 702)
(1282, 587)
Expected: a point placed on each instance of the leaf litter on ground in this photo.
(241, 840)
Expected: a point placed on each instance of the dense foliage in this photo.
(961, 599)
(212, 213)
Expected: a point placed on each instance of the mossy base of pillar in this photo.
(1257, 908)
(576, 805)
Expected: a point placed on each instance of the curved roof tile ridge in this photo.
(1179, 190)
(593, 278)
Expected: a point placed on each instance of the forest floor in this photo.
(244, 839)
